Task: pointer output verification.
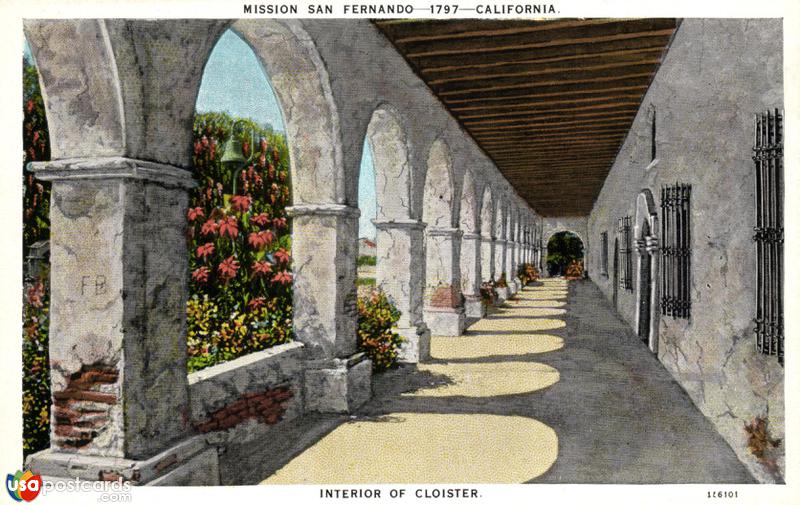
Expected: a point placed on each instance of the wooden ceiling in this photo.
(549, 101)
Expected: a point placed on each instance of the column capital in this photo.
(471, 236)
(435, 231)
(500, 241)
(113, 167)
(411, 224)
(323, 209)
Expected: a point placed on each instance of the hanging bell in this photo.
(232, 154)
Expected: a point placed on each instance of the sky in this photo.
(250, 94)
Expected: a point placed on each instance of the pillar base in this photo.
(189, 463)
(416, 345)
(517, 285)
(473, 307)
(446, 322)
(338, 385)
(502, 295)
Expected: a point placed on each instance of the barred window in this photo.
(676, 253)
(626, 260)
(604, 254)
(768, 158)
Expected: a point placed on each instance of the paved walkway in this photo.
(551, 388)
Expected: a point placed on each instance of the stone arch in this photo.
(444, 310)
(487, 234)
(469, 218)
(386, 134)
(437, 205)
(546, 246)
(400, 250)
(301, 82)
(645, 232)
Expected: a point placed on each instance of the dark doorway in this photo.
(615, 278)
(563, 248)
(645, 291)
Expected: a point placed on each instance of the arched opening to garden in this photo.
(390, 242)
(240, 291)
(565, 255)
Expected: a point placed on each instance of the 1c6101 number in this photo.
(444, 9)
(723, 494)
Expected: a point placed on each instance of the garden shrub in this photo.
(36, 302)
(377, 316)
(501, 282)
(488, 294)
(367, 261)
(527, 273)
(239, 245)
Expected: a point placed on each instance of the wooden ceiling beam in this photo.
(463, 31)
(553, 126)
(565, 115)
(559, 93)
(530, 70)
(613, 54)
(587, 34)
(587, 78)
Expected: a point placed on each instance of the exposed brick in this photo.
(167, 462)
(81, 411)
(266, 407)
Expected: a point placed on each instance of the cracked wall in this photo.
(716, 75)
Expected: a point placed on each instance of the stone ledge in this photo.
(435, 231)
(411, 224)
(114, 167)
(471, 236)
(63, 465)
(323, 209)
(215, 387)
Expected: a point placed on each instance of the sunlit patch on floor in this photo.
(426, 448)
(488, 379)
(524, 311)
(514, 325)
(478, 346)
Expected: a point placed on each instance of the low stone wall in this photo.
(241, 402)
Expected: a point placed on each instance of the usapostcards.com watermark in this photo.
(114, 491)
(27, 487)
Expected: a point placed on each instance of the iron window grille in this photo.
(626, 260)
(676, 253)
(768, 237)
(604, 254)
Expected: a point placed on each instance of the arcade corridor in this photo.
(558, 389)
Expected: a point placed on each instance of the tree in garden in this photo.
(562, 249)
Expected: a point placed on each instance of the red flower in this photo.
(229, 226)
(279, 223)
(260, 219)
(282, 256)
(29, 106)
(35, 294)
(283, 278)
(210, 227)
(259, 240)
(263, 145)
(201, 274)
(228, 268)
(240, 203)
(205, 250)
(256, 303)
(261, 268)
(196, 213)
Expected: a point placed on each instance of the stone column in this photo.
(119, 273)
(487, 259)
(444, 307)
(511, 272)
(500, 268)
(471, 274)
(324, 251)
(401, 275)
